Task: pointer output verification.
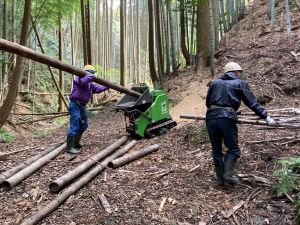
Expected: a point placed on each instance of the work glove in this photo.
(270, 121)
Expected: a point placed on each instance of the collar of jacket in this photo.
(229, 76)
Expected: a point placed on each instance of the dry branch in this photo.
(23, 174)
(105, 203)
(232, 211)
(22, 165)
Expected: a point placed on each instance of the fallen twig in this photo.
(232, 211)
(105, 203)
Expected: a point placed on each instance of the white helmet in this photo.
(232, 66)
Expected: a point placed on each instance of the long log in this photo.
(65, 179)
(62, 197)
(15, 169)
(132, 156)
(23, 174)
(15, 48)
(247, 121)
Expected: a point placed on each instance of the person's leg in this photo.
(83, 125)
(74, 127)
(216, 142)
(230, 135)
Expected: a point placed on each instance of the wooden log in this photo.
(132, 156)
(15, 169)
(62, 197)
(42, 119)
(64, 180)
(15, 48)
(23, 174)
(105, 203)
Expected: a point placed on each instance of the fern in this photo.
(288, 177)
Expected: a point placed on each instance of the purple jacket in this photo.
(83, 88)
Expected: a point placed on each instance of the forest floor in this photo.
(180, 173)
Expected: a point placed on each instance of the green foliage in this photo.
(197, 135)
(50, 13)
(288, 177)
(6, 136)
(56, 123)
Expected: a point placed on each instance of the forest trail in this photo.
(193, 101)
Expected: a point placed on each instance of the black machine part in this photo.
(129, 102)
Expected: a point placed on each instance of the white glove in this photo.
(270, 121)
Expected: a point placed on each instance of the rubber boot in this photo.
(70, 145)
(229, 164)
(219, 170)
(77, 141)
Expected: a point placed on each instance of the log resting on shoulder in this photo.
(15, 48)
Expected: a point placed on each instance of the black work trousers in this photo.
(219, 130)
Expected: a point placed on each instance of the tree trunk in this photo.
(61, 107)
(17, 77)
(4, 36)
(211, 38)
(122, 43)
(88, 33)
(138, 44)
(202, 36)
(192, 31)
(84, 45)
(159, 39)
(184, 49)
(166, 39)
(172, 35)
(153, 74)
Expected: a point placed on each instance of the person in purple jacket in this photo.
(82, 91)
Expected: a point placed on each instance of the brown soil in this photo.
(182, 170)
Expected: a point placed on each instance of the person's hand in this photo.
(270, 121)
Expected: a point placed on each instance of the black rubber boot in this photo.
(70, 145)
(229, 164)
(77, 141)
(219, 170)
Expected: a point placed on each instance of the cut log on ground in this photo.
(61, 198)
(15, 48)
(64, 180)
(23, 174)
(132, 156)
(22, 165)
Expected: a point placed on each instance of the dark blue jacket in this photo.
(228, 91)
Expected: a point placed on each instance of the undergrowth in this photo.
(289, 179)
(6, 136)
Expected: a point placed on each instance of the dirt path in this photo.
(193, 101)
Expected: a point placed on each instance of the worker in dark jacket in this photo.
(223, 100)
(82, 91)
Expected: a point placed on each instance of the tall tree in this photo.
(184, 49)
(122, 43)
(61, 73)
(153, 73)
(202, 35)
(17, 77)
(172, 36)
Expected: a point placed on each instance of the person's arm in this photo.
(249, 99)
(208, 95)
(97, 88)
(82, 81)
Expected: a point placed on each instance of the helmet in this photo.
(89, 67)
(232, 66)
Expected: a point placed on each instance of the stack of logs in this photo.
(113, 156)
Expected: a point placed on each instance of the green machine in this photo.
(147, 115)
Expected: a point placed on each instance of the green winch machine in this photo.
(147, 115)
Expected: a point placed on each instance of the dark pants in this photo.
(219, 130)
(78, 119)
